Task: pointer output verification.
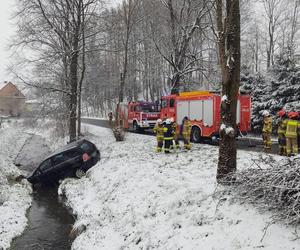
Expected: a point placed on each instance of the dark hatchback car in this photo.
(72, 160)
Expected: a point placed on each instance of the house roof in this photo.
(9, 89)
(2, 85)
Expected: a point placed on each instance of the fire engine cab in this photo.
(138, 115)
(203, 110)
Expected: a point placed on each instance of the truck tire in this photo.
(196, 135)
(135, 127)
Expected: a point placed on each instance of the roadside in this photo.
(248, 142)
(137, 199)
(15, 197)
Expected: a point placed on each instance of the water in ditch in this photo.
(49, 223)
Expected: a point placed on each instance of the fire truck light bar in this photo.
(193, 93)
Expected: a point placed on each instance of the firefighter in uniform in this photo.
(168, 136)
(292, 132)
(267, 130)
(110, 118)
(176, 131)
(281, 130)
(186, 132)
(298, 131)
(159, 131)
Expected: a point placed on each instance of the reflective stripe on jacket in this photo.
(176, 128)
(186, 128)
(159, 131)
(291, 129)
(168, 132)
(282, 126)
(267, 126)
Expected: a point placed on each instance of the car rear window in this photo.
(87, 147)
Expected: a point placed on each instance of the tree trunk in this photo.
(82, 71)
(256, 50)
(229, 50)
(74, 85)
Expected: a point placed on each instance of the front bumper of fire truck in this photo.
(147, 124)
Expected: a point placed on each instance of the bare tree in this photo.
(184, 19)
(127, 13)
(295, 27)
(55, 32)
(273, 10)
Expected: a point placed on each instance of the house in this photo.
(12, 101)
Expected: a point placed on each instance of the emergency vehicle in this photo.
(138, 115)
(203, 110)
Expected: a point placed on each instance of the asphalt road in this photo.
(244, 143)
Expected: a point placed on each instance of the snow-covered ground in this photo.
(15, 196)
(138, 199)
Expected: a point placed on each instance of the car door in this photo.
(66, 162)
(42, 173)
(72, 161)
(60, 163)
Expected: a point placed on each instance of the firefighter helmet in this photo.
(266, 113)
(159, 121)
(281, 113)
(168, 121)
(293, 115)
(172, 119)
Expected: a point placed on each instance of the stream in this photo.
(49, 221)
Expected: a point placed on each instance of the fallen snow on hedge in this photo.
(138, 199)
(15, 197)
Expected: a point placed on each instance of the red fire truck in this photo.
(138, 115)
(203, 110)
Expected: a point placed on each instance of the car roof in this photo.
(67, 147)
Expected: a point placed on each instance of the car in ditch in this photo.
(72, 160)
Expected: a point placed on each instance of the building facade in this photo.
(12, 101)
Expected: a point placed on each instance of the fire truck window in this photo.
(148, 108)
(137, 108)
(164, 103)
(172, 103)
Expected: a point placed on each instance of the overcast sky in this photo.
(6, 31)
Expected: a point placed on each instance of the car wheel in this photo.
(79, 173)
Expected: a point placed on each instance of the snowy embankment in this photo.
(15, 196)
(137, 199)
